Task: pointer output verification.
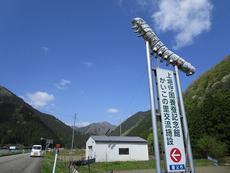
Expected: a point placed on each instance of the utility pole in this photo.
(120, 126)
(73, 138)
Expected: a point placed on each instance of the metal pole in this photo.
(185, 125)
(120, 126)
(72, 139)
(55, 161)
(153, 111)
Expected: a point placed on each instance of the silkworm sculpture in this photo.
(158, 47)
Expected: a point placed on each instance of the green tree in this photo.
(209, 146)
(150, 142)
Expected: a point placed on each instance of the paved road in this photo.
(20, 163)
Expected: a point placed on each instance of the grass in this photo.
(101, 167)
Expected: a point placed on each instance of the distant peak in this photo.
(4, 92)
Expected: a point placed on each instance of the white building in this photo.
(116, 148)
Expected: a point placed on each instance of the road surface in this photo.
(20, 163)
(203, 169)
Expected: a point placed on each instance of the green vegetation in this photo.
(207, 103)
(129, 123)
(100, 167)
(21, 123)
(209, 127)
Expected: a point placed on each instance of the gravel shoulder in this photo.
(203, 169)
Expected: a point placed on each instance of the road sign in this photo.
(171, 122)
(175, 155)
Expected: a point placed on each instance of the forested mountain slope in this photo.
(130, 122)
(12, 105)
(215, 81)
(207, 103)
(21, 125)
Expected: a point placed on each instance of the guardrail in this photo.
(2, 151)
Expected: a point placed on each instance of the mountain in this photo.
(213, 82)
(15, 112)
(207, 103)
(97, 128)
(19, 124)
(142, 129)
(130, 122)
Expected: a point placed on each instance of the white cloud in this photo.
(82, 124)
(112, 110)
(45, 49)
(24, 98)
(187, 18)
(38, 99)
(62, 84)
(88, 63)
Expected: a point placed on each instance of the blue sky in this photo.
(67, 57)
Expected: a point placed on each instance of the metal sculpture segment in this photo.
(158, 47)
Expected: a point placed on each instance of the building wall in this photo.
(107, 152)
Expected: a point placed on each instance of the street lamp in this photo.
(158, 47)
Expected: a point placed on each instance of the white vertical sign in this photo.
(171, 123)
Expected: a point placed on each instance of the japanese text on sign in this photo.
(171, 124)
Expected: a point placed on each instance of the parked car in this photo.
(36, 151)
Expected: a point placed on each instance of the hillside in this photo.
(142, 129)
(19, 124)
(207, 103)
(62, 132)
(97, 128)
(130, 122)
(215, 81)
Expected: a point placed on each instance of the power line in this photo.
(56, 113)
(132, 98)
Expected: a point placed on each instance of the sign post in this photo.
(185, 124)
(173, 140)
(153, 112)
(55, 159)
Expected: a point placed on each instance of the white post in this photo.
(153, 111)
(185, 124)
(55, 161)
(73, 139)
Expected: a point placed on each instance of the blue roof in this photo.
(126, 139)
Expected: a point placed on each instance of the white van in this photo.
(36, 151)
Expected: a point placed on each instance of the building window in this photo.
(123, 151)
